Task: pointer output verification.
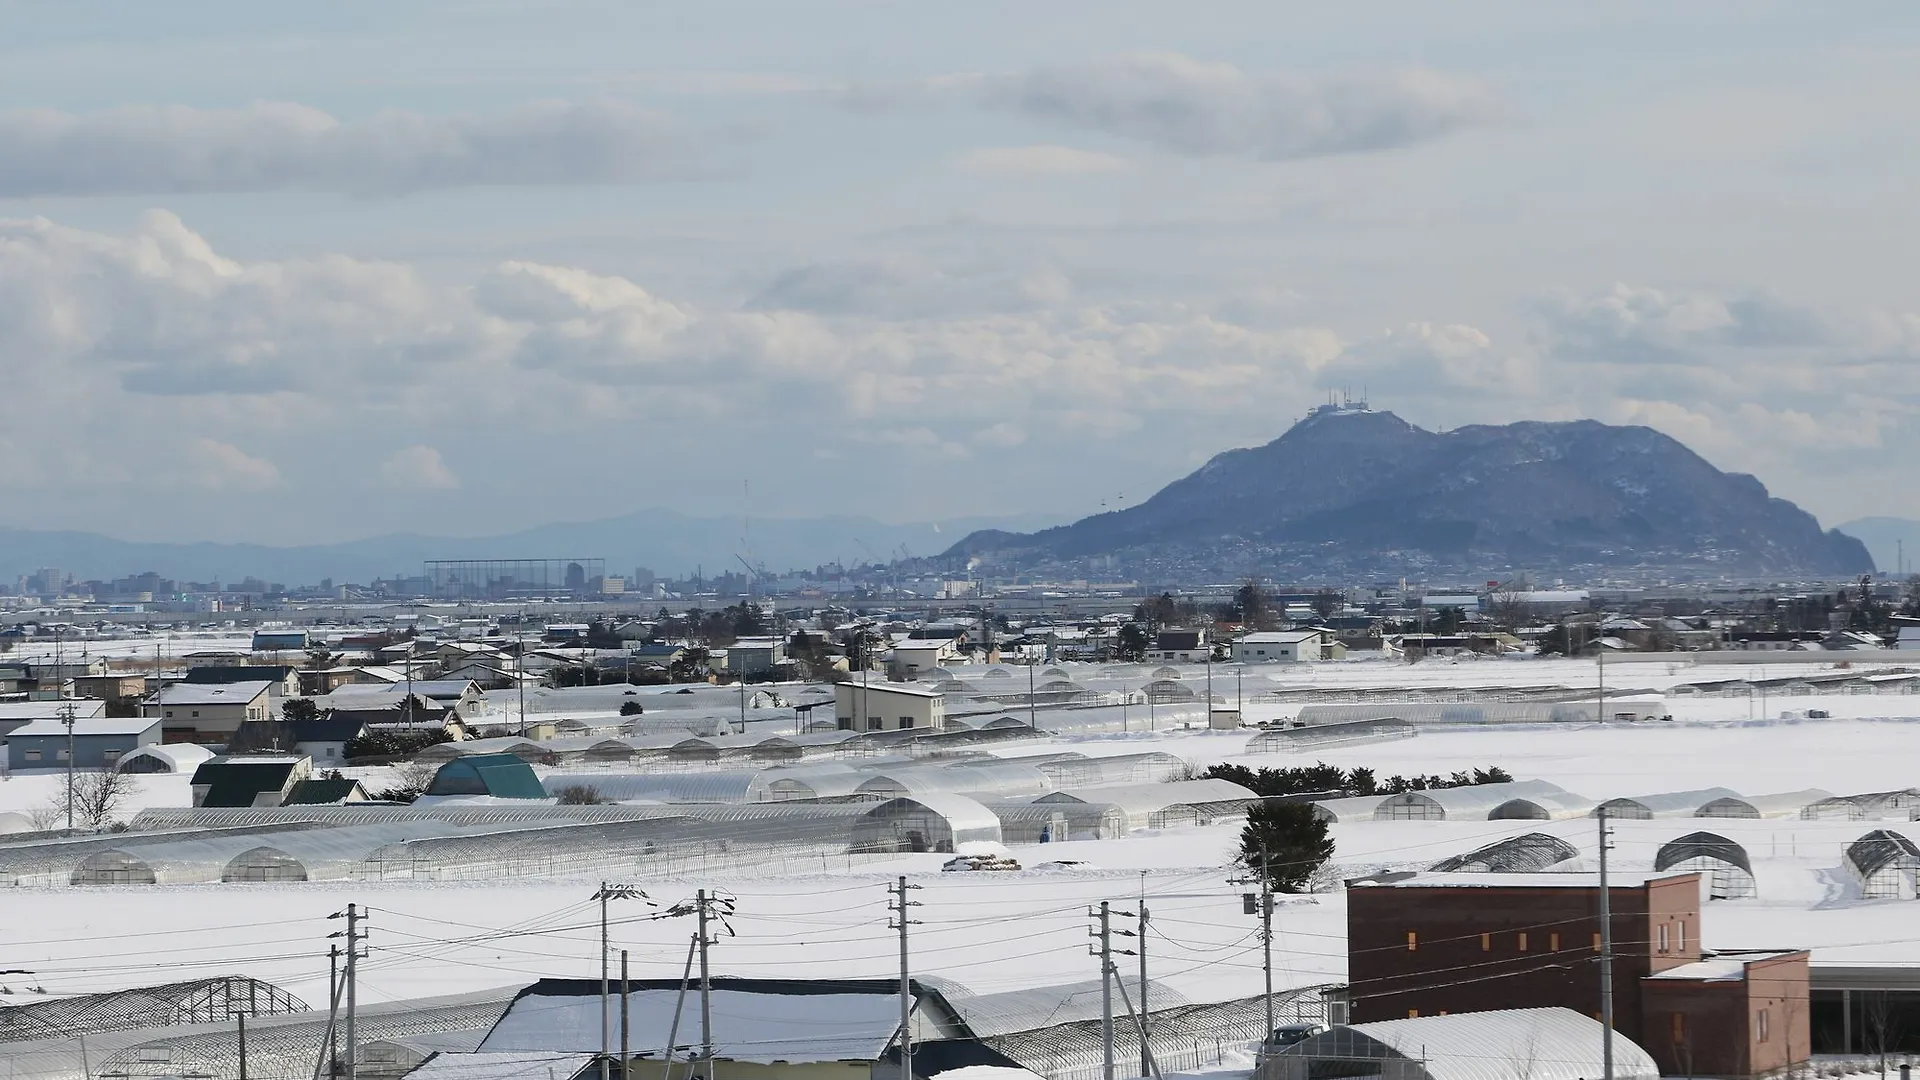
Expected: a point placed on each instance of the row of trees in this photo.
(1321, 777)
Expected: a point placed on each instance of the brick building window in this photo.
(1596, 943)
(1486, 942)
(1679, 1022)
(1683, 935)
(1413, 1014)
(1553, 942)
(1413, 941)
(1523, 941)
(1763, 1025)
(1661, 938)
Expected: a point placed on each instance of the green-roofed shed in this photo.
(502, 776)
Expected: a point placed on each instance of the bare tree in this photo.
(1509, 609)
(98, 797)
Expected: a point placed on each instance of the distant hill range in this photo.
(1350, 491)
(664, 541)
(1894, 542)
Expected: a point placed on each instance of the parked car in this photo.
(1287, 1034)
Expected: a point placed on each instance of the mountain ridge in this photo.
(1351, 490)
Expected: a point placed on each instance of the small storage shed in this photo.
(1723, 865)
(931, 822)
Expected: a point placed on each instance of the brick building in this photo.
(1425, 944)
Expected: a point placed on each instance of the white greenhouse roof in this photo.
(1557, 1044)
(1476, 800)
(1140, 801)
(759, 1027)
(503, 1066)
(1676, 803)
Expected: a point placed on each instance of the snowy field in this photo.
(1004, 931)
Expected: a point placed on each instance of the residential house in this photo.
(917, 658)
(1180, 647)
(97, 743)
(249, 780)
(285, 678)
(210, 713)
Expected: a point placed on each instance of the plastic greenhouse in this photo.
(1886, 864)
(1529, 853)
(1722, 864)
(1460, 804)
(1783, 804)
(1160, 806)
(1316, 736)
(1358, 808)
(1669, 804)
(940, 822)
(1048, 822)
(1544, 807)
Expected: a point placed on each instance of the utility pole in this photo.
(354, 936)
(900, 921)
(626, 1019)
(242, 1021)
(706, 993)
(1606, 951)
(1104, 951)
(1031, 721)
(333, 1010)
(605, 893)
(1265, 910)
(1146, 1055)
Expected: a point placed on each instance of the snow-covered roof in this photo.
(1554, 1044)
(1717, 969)
(91, 726)
(237, 693)
(503, 1066)
(1666, 804)
(748, 1025)
(1466, 803)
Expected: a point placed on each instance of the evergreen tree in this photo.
(1286, 842)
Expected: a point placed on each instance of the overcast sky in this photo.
(282, 272)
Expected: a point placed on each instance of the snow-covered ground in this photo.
(1003, 931)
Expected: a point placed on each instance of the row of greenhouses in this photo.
(463, 841)
(1540, 800)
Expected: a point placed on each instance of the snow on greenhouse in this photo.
(1553, 1044)
(1782, 804)
(1866, 807)
(993, 778)
(1622, 709)
(1529, 853)
(1357, 808)
(286, 1045)
(1078, 770)
(1342, 733)
(1545, 806)
(525, 749)
(935, 822)
(196, 1002)
(1665, 805)
(1052, 822)
(164, 758)
(1473, 803)
(1161, 806)
(1723, 866)
(1886, 864)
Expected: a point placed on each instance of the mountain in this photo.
(665, 541)
(1353, 491)
(1894, 542)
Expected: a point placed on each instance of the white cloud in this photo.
(898, 288)
(1041, 160)
(281, 146)
(416, 468)
(1187, 106)
(223, 467)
